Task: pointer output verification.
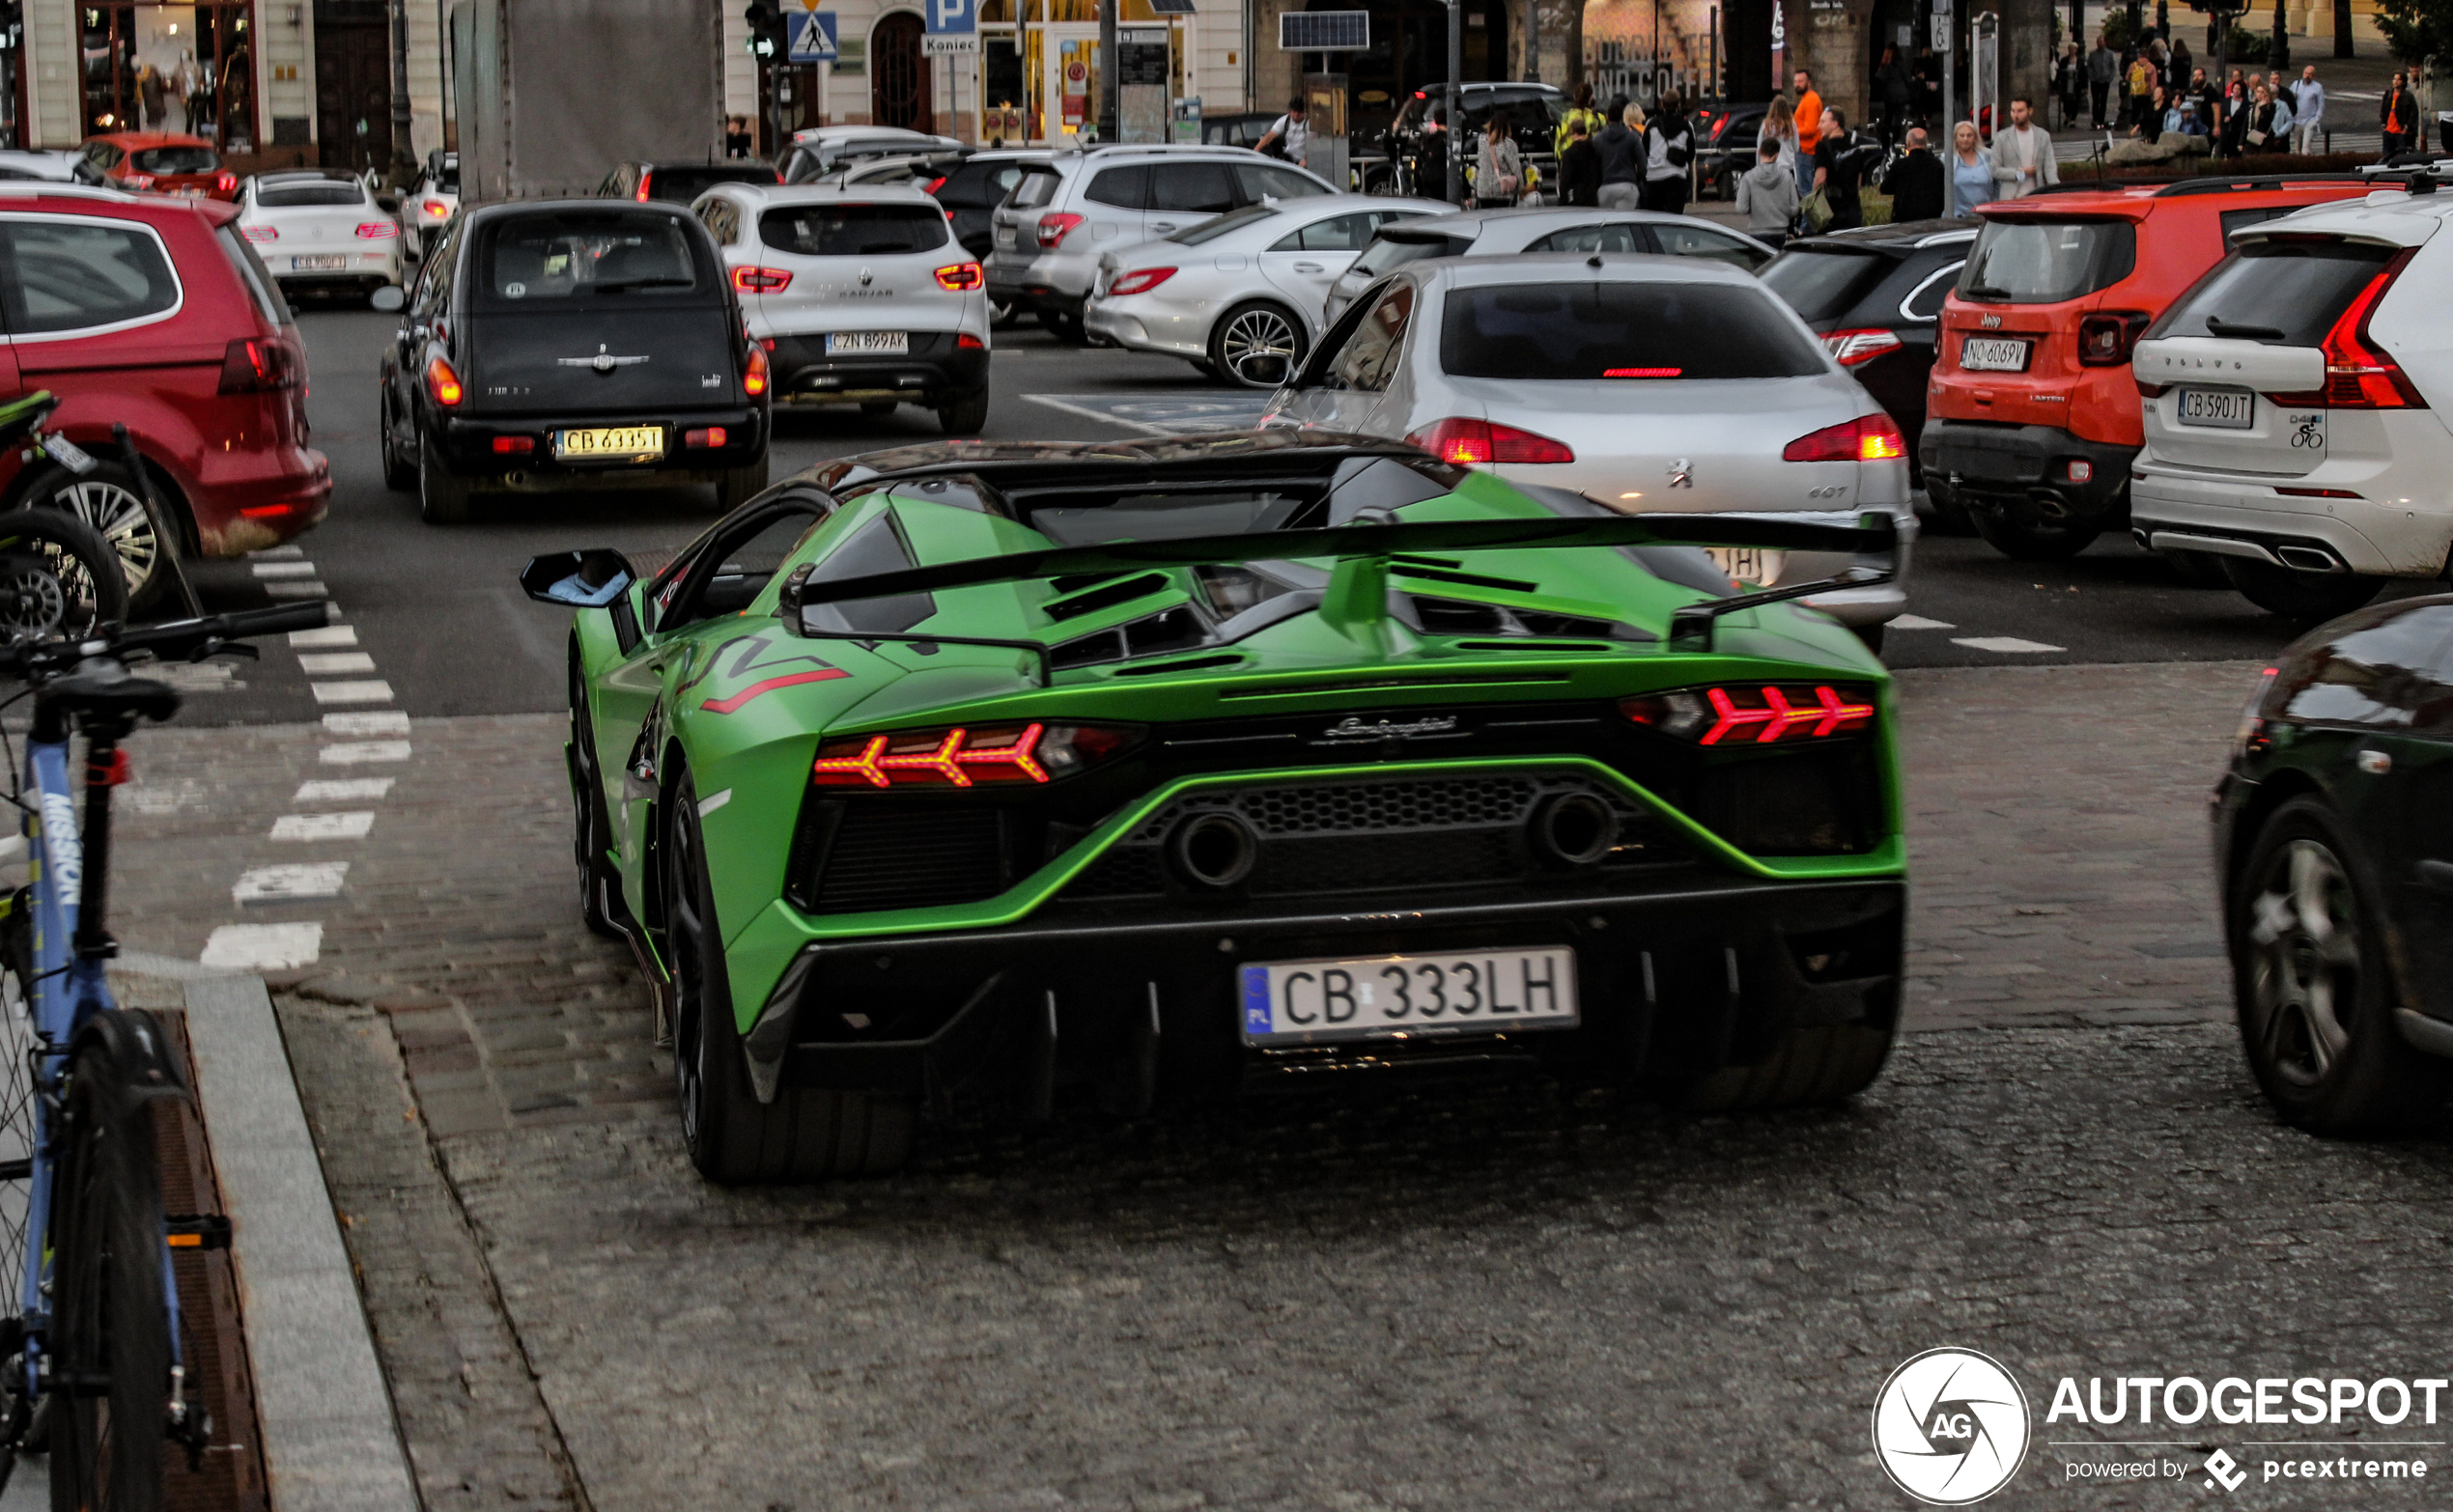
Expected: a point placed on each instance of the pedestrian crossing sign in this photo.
(812, 37)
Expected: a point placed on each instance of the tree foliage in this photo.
(2418, 29)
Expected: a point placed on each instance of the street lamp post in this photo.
(1456, 147)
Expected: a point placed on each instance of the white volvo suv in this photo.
(859, 295)
(2296, 404)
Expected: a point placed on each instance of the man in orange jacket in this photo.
(2399, 115)
(1808, 108)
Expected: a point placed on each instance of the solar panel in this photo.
(1170, 7)
(1324, 31)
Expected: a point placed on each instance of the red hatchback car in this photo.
(161, 161)
(155, 312)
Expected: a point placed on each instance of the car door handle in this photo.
(1161, 225)
(1309, 267)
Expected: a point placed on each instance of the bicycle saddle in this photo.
(18, 418)
(110, 694)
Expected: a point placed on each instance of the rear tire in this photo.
(1817, 1063)
(740, 484)
(442, 499)
(1258, 345)
(400, 473)
(807, 1133)
(58, 578)
(1066, 328)
(2198, 569)
(966, 415)
(2030, 539)
(113, 502)
(110, 1324)
(2309, 596)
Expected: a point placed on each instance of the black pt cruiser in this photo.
(573, 345)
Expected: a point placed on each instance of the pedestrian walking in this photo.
(2236, 103)
(1580, 166)
(1971, 169)
(1581, 110)
(1499, 169)
(1289, 136)
(738, 141)
(1669, 146)
(1915, 181)
(1768, 195)
(2398, 117)
(2307, 111)
(1891, 86)
(1837, 169)
(2022, 155)
(2069, 85)
(2104, 70)
(1807, 112)
(1929, 85)
(2141, 88)
(1620, 145)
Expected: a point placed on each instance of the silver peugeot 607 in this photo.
(1641, 383)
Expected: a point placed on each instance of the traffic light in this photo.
(767, 38)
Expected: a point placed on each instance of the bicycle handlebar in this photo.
(174, 639)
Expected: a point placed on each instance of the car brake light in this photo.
(1467, 442)
(2358, 375)
(961, 757)
(138, 180)
(259, 364)
(1141, 280)
(225, 181)
(1850, 348)
(1866, 439)
(261, 234)
(2105, 339)
(641, 195)
(514, 445)
(967, 342)
(1757, 715)
(443, 383)
(936, 183)
(1054, 227)
(761, 280)
(377, 231)
(960, 277)
(754, 376)
(1640, 373)
(438, 208)
(707, 435)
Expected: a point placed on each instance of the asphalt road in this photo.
(439, 612)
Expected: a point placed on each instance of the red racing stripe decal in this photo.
(725, 706)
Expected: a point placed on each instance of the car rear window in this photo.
(2284, 293)
(1038, 187)
(2028, 261)
(1395, 251)
(198, 158)
(583, 253)
(76, 275)
(1582, 331)
(680, 185)
(1125, 188)
(853, 229)
(978, 186)
(291, 196)
(1820, 285)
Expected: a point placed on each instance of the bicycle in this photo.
(93, 1367)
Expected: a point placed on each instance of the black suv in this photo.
(679, 182)
(1874, 297)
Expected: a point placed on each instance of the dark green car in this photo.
(1000, 774)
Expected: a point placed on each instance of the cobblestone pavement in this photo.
(1503, 1299)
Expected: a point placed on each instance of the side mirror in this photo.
(577, 580)
(388, 299)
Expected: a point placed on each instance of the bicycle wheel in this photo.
(18, 1135)
(58, 577)
(110, 1326)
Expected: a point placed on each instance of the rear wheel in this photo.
(592, 830)
(58, 578)
(112, 501)
(442, 499)
(2030, 538)
(1815, 1063)
(400, 473)
(111, 1326)
(965, 415)
(807, 1133)
(1065, 326)
(1258, 345)
(2199, 569)
(2299, 596)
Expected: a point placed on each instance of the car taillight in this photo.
(138, 180)
(1850, 348)
(963, 757)
(960, 277)
(514, 445)
(761, 280)
(1141, 280)
(705, 436)
(2358, 375)
(1466, 442)
(934, 184)
(261, 234)
(443, 384)
(1759, 714)
(377, 231)
(438, 208)
(641, 195)
(259, 364)
(1866, 439)
(754, 376)
(1054, 227)
(2105, 339)
(967, 342)
(224, 182)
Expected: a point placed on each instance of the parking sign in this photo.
(953, 26)
(812, 36)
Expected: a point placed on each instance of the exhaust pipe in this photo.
(1214, 850)
(1573, 830)
(2050, 503)
(2310, 559)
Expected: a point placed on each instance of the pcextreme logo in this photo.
(1951, 1427)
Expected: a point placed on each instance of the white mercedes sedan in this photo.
(1641, 383)
(320, 233)
(1239, 296)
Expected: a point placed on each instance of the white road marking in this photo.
(197, 677)
(374, 721)
(319, 663)
(324, 827)
(2002, 643)
(328, 636)
(1920, 622)
(341, 789)
(284, 568)
(263, 947)
(279, 554)
(709, 806)
(363, 751)
(289, 882)
(296, 590)
(374, 691)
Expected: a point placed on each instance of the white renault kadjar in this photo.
(1645, 383)
(859, 295)
(320, 232)
(2295, 403)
